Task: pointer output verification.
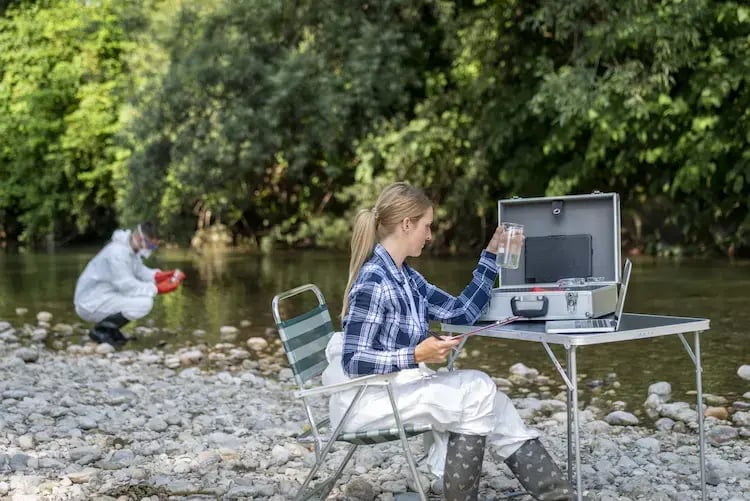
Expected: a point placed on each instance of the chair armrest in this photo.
(372, 379)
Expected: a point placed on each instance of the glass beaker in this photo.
(509, 250)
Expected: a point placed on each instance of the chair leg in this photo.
(405, 445)
(327, 448)
(339, 470)
(325, 486)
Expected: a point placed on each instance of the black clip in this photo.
(557, 207)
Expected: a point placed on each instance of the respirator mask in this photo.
(147, 246)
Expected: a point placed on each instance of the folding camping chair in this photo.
(305, 338)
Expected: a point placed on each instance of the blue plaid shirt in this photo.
(380, 334)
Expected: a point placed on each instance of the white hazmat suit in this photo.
(115, 281)
(462, 401)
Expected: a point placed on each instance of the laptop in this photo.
(594, 324)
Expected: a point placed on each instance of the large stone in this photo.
(118, 460)
(664, 424)
(119, 396)
(279, 455)
(8, 336)
(18, 461)
(85, 455)
(714, 400)
(621, 418)
(26, 442)
(206, 461)
(44, 316)
(157, 424)
(38, 335)
(63, 329)
(716, 412)
(679, 411)
(83, 476)
(257, 343)
(598, 427)
(741, 418)
(521, 370)
(104, 349)
(721, 434)
(228, 332)
(662, 388)
(648, 443)
(744, 372)
(28, 355)
(191, 357)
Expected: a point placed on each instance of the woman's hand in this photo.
(434, 350)
(497, 237)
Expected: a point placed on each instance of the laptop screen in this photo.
(623, 290)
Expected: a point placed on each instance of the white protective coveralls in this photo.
(461, 401)
(115, 281)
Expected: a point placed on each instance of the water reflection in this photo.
(227, 288)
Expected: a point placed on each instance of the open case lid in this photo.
(565, 237)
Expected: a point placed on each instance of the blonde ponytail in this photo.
(396, 202)
(364, 237)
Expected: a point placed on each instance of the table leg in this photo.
(699, 388)
(573, 376)
(570, 376)
(569, 394)
(696, 358)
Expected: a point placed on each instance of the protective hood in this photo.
(121, 237)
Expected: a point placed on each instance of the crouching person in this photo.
(116, 287)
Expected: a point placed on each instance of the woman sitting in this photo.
(387, 307)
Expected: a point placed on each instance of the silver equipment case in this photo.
(570, 263)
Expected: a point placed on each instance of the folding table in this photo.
(632, 326)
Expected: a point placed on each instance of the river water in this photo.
(227, 288)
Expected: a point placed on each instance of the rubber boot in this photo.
(538, 473)
(463, 467)
(108, 330)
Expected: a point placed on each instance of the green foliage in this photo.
(61, 89)
(281, 119)
(654, 106)
(254, 122)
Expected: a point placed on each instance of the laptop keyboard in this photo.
(592, 323)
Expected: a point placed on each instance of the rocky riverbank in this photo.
(219, 422)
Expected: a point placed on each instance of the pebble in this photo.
(662, 389)
(716, 412)
(26, 442)
(44, 316)
(621, 418)
(744, 372)
(257, 343)
(28, 355)
(722, 434)
(85, 425)
(741, 418)
(228, 332)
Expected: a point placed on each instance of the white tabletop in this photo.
(632, 326)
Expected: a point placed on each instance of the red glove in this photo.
(167, 286)
(174, 275)
(163, 275)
